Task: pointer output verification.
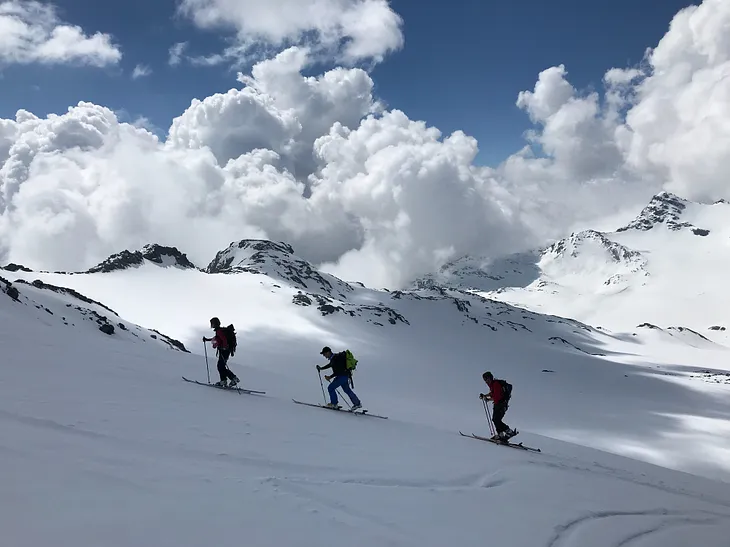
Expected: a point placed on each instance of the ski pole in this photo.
(324, 397)
(205, 348)
(489, 418)
(342, 396)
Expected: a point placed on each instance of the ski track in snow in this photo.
(574, 533)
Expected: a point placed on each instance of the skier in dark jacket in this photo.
(341, 375)
(220, 342)
(501, 404)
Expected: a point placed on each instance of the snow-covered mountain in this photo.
(667, 267)
(111, 423)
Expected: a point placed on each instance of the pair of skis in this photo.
(340, 409)
(503, 443)
(244, 390)
(227, 388)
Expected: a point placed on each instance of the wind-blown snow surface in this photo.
(111, 448)
(654, 396)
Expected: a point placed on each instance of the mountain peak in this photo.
(664, 208)
(276, 260)
(158, 254)
(571, 246)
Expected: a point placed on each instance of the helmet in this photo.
(488, 376)
(215, 322)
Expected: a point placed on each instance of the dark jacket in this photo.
(338, 364)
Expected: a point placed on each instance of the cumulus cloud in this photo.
(353, 30)
(366, 192)
(32, 32)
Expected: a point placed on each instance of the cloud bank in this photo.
(365, 191)
(32, 32)
(346, 30)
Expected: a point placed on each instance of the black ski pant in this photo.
(223, 370)
(500, 409)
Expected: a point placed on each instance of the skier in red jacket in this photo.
(501, 398)
(220, 341)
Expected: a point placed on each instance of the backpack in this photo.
(350, 360)
(230, 333)
(506, 388)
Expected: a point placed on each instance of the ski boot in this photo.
(234, 381)
(333, 406)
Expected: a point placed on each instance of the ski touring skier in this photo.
(500, 393)
(225, 347)
(340, 377)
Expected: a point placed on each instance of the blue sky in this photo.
(461, 68)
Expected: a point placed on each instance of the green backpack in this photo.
(350, 360)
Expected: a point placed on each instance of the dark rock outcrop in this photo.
(664, 208)
(157, 254)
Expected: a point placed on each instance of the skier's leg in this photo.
(497, 416)
(228, 372)
(222, 372)
(332, 389)
(351, 394)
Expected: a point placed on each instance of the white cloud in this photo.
(140, 71)
(176, 53)
(373, 195)
(350, 30)
(31, 32)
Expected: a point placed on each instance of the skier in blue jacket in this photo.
(341, 375)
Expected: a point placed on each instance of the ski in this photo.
(238, 389)
(360, 411)
(502, 443)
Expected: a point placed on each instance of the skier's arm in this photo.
(324, 367)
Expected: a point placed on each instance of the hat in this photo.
(325, 349)
(487, 375)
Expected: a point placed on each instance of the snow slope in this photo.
(657, 396)
(121, 452)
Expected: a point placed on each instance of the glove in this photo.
(328, 378)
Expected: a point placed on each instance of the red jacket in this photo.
(219, 340)
(495, 390)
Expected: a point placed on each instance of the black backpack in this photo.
(506, 388)
(230, 333)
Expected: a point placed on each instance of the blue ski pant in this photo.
(344, 383)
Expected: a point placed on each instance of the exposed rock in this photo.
(8, 288)
(328, 306)
(107, 328)
(38, 284)
(163, 256)
(616, 252)
(278, 261)
(717, 327)
(664, 208)
(16, 267)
